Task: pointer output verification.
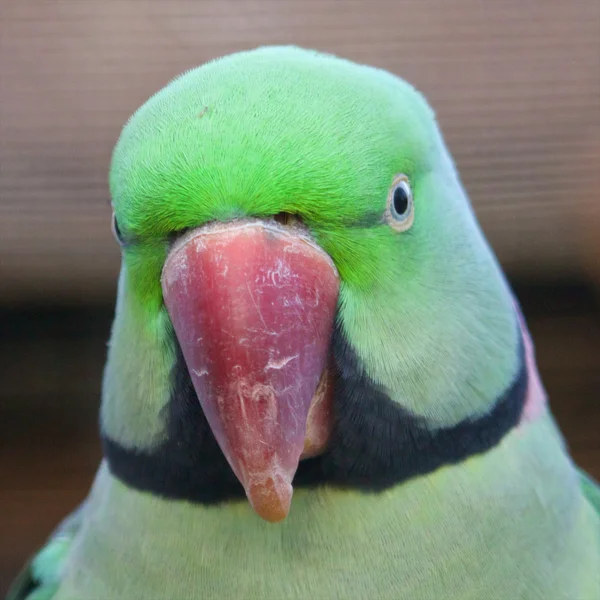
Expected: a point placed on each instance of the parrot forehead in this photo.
(274, 129)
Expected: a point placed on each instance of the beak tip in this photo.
(271, 498)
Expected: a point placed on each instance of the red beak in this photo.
(253, 305)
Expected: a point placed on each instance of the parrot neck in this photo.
(336, 543)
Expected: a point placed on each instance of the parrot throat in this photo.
(375, 443)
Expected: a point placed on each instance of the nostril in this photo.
(282, 218)
(285, 218)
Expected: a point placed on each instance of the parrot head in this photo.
(301, 275)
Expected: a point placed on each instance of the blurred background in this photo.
(515, 84)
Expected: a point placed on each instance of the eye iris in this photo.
(400, 200)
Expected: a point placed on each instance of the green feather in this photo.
(534, 541)
(40, 578)
(591, 490)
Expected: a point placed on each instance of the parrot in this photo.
(319, 381)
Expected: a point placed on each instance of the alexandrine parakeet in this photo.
(319, 384)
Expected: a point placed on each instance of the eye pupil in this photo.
(400, 200)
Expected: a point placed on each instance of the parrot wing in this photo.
(40, 577)
(591, 490)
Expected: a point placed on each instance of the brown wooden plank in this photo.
(516, 87)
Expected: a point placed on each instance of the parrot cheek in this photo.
(253, 304)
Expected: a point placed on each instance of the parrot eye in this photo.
(400, 212)
(116, 231)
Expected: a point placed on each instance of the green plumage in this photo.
(428, 312)
(422, 538)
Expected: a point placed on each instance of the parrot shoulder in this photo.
(40, 577)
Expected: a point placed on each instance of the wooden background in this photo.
(516, 85)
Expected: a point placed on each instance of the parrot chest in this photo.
(507, 524)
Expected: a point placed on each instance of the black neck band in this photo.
(375, 444)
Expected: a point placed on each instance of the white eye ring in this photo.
(400, 208)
